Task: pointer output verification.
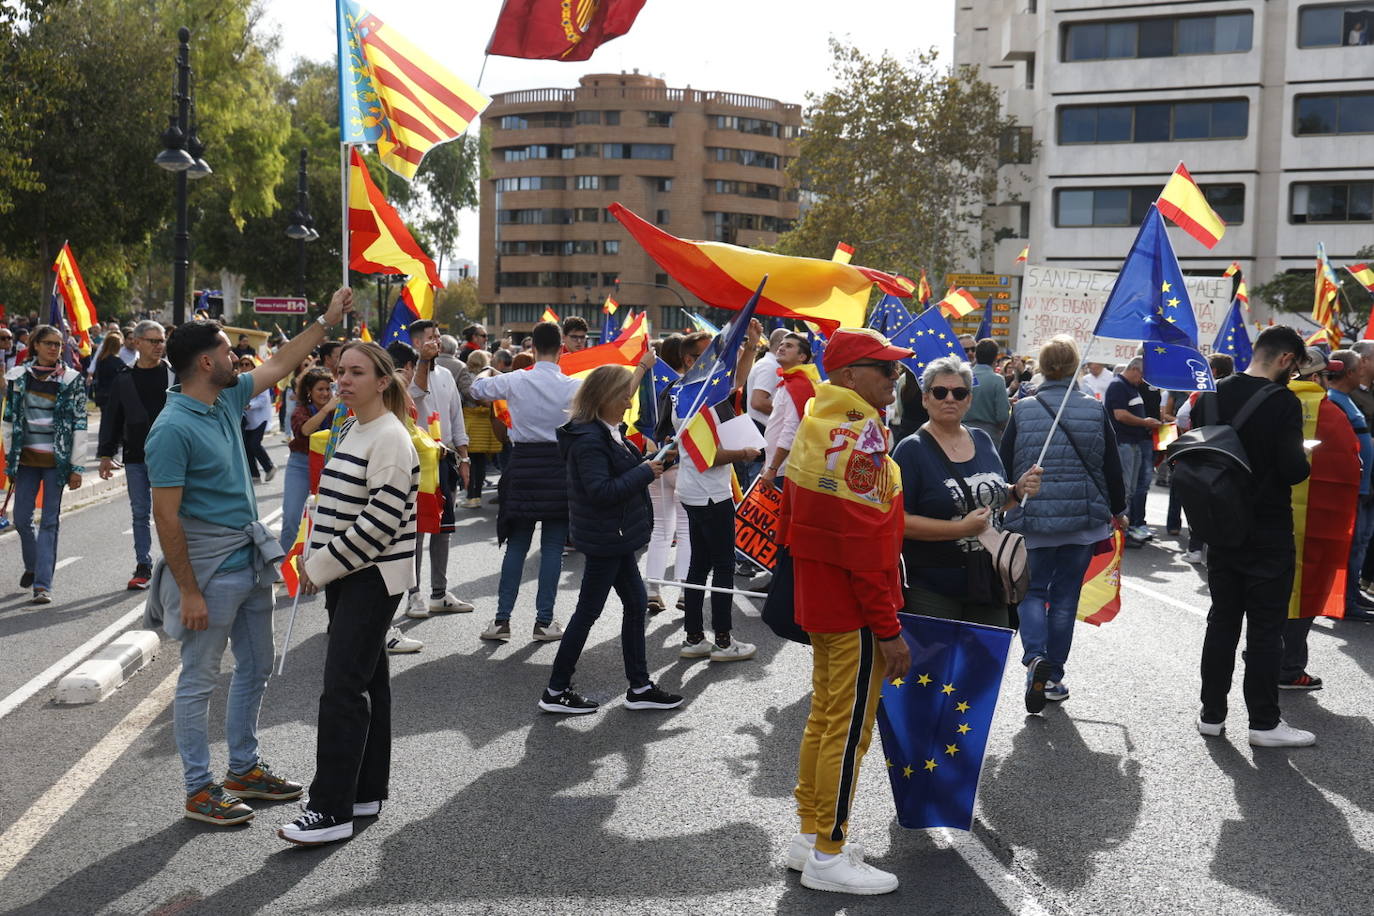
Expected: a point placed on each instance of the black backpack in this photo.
(1212, 477)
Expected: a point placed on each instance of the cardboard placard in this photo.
(756, 524)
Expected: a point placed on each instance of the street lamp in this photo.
(302, 227)
(182, 154)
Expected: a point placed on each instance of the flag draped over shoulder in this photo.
(560, 29)
(71, 288)
(1323, 512)
(380, 243)
(1185, 204)
(724, 275)
(936, 720)
(394, 95)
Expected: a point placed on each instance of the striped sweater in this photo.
(365, 513)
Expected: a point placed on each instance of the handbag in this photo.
(1005, 550)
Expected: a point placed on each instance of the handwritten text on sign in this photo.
(756, 524)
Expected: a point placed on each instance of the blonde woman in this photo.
(362, 553)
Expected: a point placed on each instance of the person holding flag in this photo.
(45, 404)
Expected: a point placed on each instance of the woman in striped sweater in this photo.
(362, 553)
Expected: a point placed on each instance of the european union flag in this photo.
(817, 341)
(935, 721)
(889, 315)
(708, 382)
(1233, 338)
(664, 375)
(1175, 367)
(1149, 300)
(609, 329)
(398, 325)
(985, 326)
(930, 335)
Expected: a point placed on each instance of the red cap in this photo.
(850, 345)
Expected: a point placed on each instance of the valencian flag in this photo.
(627, 350)
(1233, 339)
(936, 720)
(560, 29)
(1150, 303)
(1323, 512)
(929, 337)
(799, 288)
(379, 242)
(71, 288)
(394, 95)
(889, 315)
(1324, 309)
(958, 302)
(1186, 206)
(1100, 598)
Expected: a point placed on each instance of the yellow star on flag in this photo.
(931, 765)
(923, 680)
(1164, 288)
(947, 689)
(907, 771)
(898, 682)
(951, 749)
(962, 707)
(963, 729)
(889, 761)
(1160, 350)
(1173, 303)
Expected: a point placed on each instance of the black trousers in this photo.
(1251, 584)
(353, 750)
(712, 530)
(476, 471)
(599, 576)
(252, 445)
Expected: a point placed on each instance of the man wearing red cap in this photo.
(842, 521)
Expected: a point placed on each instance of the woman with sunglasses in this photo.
(256, 416)
(46, 407)
(953, 482)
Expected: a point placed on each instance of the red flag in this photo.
(560, 29)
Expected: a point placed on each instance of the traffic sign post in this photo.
(281, 305)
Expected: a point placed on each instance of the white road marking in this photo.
(128, 531)
(1008, 888)
(272, 516)
(1160, 596)
(69, 661)
(65, 561)
(27, 832)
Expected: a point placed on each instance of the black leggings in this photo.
(712, 530)
(252, 445)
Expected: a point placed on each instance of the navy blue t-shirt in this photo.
(928, 490)
(1122, 395)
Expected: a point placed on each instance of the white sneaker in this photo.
(1210, 729)
(1192, 556)
(846, 873)
(547, 632)
(1282, 735)
(398, 643)
(800, 848)
(696, 649)
(415, 606)
(449, 604)
(473, 503)
(271, 472)
(367, 809)
(735, 652)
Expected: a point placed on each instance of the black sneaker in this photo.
(26, 580)
(1037, 675)
(1303, 681)
(315, 829)
(653, 698)
(569, 701)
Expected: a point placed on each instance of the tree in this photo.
(456, 305)
(1293, 291)
(901, 158)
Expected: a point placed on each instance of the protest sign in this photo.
(756, 524)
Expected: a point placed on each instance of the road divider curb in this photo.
(105, 672)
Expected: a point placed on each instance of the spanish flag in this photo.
(72, 288)
(364, 334)
(725, 276)
(609, 306)
(923, 290)
(549, 315)
(428, 511)
(379, 242)
(1183, 202)
(1025, 253)
(1232, 270)
(290, 564)
(1364, 275)
(1100, 598)
(844, 253)
(958, 302)
(626, 350)
(700, 437)
(1323, 510)
(1243, 294)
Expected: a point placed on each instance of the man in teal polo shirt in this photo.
(214, 584)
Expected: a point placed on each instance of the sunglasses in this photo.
(940, 393)
(577, 336)
(886, 367)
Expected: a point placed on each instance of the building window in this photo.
(532, 183)
(588, 150)
(1167, 37)
(588, 183)
(744, 157)
(1335, 25)
(613, 118)
(589, 117)
(637, 150)
(661, 279)
(610, 246)
(546, 216)
(1014, 146)
(723, 226)
(549, 248)
(1081, 207)
(1333, 202)
(747, 125)
(1337, 113)
(535, 151)
(563, 278)
(1154, 122)
(609, 279)
(744, 189)
(658, 118)
(610, 182)
(660, 184)
(588, 214)
(661, 217)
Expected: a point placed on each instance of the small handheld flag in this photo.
(550, 315)
(1183, 202)
(1025, 253)
(985, 326)
(844, 253)
(1233, 339)
(1232, 270)
(923, 290)
(1363, 274)
(958, 302)
(929, 337)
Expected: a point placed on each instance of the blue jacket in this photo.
(1076, 493)
(608, 491)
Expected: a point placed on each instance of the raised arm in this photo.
(280, 364)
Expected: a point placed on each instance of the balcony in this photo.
(1020, 36)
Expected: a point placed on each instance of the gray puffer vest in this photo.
(1072, 497)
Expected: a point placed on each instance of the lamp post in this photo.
(302, 227)
(181, 153)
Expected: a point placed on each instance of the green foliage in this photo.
(456, 305)
(1294, 290)
(901, 158)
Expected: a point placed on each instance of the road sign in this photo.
(969, 281)
(280, 305)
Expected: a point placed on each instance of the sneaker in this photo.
(568, 701)
(735, 652)
(212, 805)
(416, 607)
(701, 649)
(1363, 602)
(1281, 735)
(656, 605)
(1037, 677)
(1359, 615)
(261, 782)
(760, 583)
(367, 809)
(846, 873)
(1303, 681)
(499, 630)
(42, 596)
(547, 632)
(448, 603)
(271, 472)
(26, 580)
(800, 849)
(1056, 692)
(681, 604)
(1173, 532)
(1210, 729)
(398, 643)
(314, 829)
(1141, 533)
(1192, 556)
(139, 581)
(653, 698)
(474, 502)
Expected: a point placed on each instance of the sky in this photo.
(772, 48)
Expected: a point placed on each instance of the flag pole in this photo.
(296, 600)
(1073, 384)
(343, 222)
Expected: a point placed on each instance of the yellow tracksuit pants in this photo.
(846, 680)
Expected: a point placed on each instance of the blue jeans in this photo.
(38, 550)
(553, 536)
(1050, 608)
(599, 576)
(1364, 530)
(1137, 468)
(141, 507)
(241, 616)
(295, 492)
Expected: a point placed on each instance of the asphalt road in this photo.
(1111, 803)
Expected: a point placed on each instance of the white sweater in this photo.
(365, 513)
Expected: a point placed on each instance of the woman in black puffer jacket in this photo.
(611, 519)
